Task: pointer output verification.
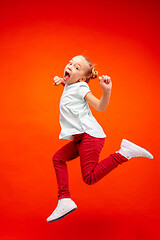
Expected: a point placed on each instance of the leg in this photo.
(89, 150)
(66, 153)
(65, 204)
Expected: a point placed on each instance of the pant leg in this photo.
(89, 150)
(66, 153)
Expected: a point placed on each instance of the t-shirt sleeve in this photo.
(83, 89)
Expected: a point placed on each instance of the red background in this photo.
(37, 40)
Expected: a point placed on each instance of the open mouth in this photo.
(66, 76)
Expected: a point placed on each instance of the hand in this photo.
(106, 83)
(57, 80)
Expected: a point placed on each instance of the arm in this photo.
(58, 81)
(100, 105)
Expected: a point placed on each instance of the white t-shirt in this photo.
(75, 114)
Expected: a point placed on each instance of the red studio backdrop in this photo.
(37, 39)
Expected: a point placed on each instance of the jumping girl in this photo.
(86, 135)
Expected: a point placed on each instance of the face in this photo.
(75, 70)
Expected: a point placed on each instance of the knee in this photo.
(55, 159)
(88, 180)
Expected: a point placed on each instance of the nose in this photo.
(69, 67)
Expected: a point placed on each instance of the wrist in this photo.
(106, 92)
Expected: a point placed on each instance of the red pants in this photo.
(89, 149)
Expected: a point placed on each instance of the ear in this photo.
(82, 79)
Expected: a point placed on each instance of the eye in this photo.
(76, 68)
(69, 63)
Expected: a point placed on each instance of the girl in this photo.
(86, 135)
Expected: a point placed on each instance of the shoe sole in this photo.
(57, 219)
(143, 150)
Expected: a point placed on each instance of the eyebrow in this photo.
(76, 63)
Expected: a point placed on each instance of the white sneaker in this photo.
(129, 150)
(64, 207)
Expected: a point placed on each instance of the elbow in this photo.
(101, 109)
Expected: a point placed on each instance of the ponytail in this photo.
(92, 73)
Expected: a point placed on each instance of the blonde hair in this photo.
(92, 73)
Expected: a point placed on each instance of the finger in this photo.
(105, 78)
(108, 79)
(55, 84)
(55, 78)
(59, 82)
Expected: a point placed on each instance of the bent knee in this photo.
(55, 159)
(89, 180)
